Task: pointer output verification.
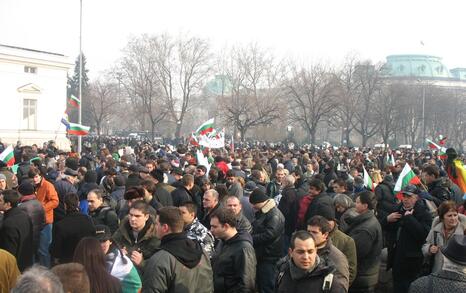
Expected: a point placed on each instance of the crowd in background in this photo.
(131, 216)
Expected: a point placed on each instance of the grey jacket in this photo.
(436, 235)
(443, 281)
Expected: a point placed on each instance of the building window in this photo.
(30, 69)
(29, 114)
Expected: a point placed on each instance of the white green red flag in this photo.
(78, 129)
(440, 149)
(8, 156)
(75, 102)
(368, 180)
(214, 140)
(406, 177)
(206, 127)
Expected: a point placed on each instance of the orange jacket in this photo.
(48, 197)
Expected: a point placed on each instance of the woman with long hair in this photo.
(89, 253)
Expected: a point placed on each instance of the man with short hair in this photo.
(63, 187)
(74, 277)
(319, 227)
(100, 212)
(234, 265)
(183, 193)
(16, 231)
(194, 229)
(435, 184)
(304, 271)
(452, 277)
(242, 223)
(38, 279)
(210, 203)
(274, 187)
(180, 265)
(233, 185)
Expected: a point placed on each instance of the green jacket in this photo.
(346, 245)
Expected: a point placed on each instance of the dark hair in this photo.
(172, 217)
(431, 170)
(98, 192)
(90, 255)
(74, 277)
(321, 222)
(187, 179)
(341, 183)
(367, 197)
(225, 216)
(190, 206)
(202, 167)
(149, 185)
(301, 235)
(157, 174)
(33, 171)
(256, 174)
(134, 192)
(11, 196)
(318, 184)
(71, 200)
(222, 191)
(140, 205)
(230, 173)
(445, 207)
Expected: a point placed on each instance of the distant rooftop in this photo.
(31, 50)
(422, 66)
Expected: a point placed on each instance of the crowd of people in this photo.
(142, 217)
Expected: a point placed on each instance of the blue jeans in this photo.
(265, 276)
(44, 244)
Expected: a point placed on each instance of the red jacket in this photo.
(48, 197)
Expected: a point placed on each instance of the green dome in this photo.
(424, 66)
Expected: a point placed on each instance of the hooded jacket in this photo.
(180, 266)
(234, 266)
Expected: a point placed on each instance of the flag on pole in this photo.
(78, 129)
(368, 180)
(206, 127)
(8, 156)
(213, 140)
(442, 141)
(75, 102)
(65, 120)
(441, 149)
(406, 177)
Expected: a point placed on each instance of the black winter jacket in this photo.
(385, 198)
(16, 236)
(36, 213)
(267, 232)
(234, 266)
(62, 187)
(366, 231)
(318, 203)
(289, 207)
(105, 215)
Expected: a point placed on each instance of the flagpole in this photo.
(80, 69)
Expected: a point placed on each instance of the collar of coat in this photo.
(269, 205)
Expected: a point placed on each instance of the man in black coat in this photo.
(183, 193)
(234, 265)
(320, 200)
(435, 184)
(63, 187)
(267, 233)
(69, 231)
(34, 209)
(16, 232)
(407, 229)
(101, 213)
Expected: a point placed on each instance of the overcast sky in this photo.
(308, 30)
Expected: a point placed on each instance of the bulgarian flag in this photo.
(75, 102)
(78, 129)
(8, 156)
(441, 150)
(65, 120)
(206, 127)
(442, 141)
(406, 177)
(124, 270)
(368, 180)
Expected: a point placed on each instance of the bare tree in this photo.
(387, 108)
(182, 65)
(102, 103)
(253, 99)
(138, 67)
(311, 97)
(366, 122)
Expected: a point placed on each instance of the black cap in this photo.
(257, 195)
(250, 186)
(134, 168)
(71, 172)
(102, 232)
(410, 190)
(456, 249)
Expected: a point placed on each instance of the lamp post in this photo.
(423, 116)
(80, 71)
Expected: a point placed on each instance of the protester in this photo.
(180, 265)
(38, 279)
(234, 264)
(73, 277)
(100, 212)
(233, 204)
(90, 255)
(210, 203)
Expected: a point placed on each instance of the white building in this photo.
(33, 96)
